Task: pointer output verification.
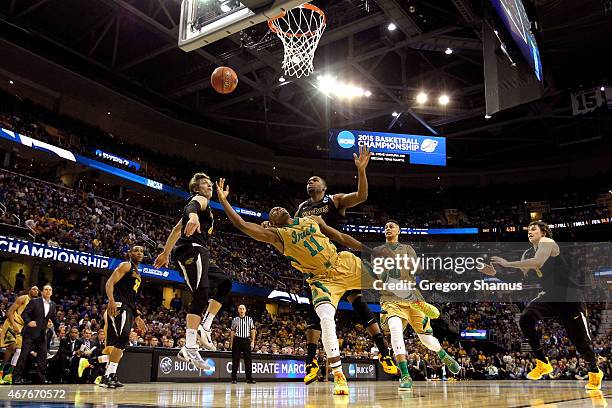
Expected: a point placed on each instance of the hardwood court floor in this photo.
(473, 394)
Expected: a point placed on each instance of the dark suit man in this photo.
(66, 353)
(36, 317)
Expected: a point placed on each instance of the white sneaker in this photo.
(206, 339)
(193, 356)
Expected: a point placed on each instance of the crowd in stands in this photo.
(495, 206)
(284, 333)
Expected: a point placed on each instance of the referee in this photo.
(243, 328)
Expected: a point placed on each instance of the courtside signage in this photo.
(388, 147)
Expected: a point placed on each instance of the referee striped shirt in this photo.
(243, 326)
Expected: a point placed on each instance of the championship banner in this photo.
(609, 96)
(36, 250)
(388, 147)
(586, 101)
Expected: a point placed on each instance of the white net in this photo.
(300, 30)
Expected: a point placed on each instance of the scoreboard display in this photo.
(513, 15)
(388, 147)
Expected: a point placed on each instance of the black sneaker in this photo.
(106, 382)
(115, 380)
(251, 382)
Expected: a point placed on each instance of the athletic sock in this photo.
(380, 343)
(312, 352)
(111, 368)
(208, 319)
(103, 359)
(336, 367)
(403, 366)
(191, 336)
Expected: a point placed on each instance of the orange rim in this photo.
(308, 6)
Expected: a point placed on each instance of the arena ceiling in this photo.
(131, 46)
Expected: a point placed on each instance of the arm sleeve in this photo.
(192, 207)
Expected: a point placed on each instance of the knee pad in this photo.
(366, 317)
(326, 313)
(397, 335)
(430, 342)
(223, 290)
(199, 302)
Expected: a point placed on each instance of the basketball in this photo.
(224, 80)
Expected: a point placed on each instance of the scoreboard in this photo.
(388, 147)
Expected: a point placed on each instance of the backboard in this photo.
(206, 21)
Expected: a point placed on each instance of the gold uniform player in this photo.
(329, 273)
(400, 308)
(10, 338)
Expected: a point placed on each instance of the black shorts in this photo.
(556, 310)
(198, 270)
(117, 329)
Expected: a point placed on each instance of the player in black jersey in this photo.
(121, 313)
(560, 298)
(332, 208)
(191, 235)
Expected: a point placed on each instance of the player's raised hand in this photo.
(362, 160)
(162, 259)
(488, 270)
(222, 189)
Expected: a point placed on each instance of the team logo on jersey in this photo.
(346, 139)
(189, 261)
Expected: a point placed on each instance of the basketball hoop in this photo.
(300, 30)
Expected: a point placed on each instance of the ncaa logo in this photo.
(165, 365)
(429, 145)
(346, 139)
(352, 370)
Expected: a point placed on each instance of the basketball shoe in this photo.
(340, 384)
(541, 368)
(193, 356)
(429, 310)
(312, 371)
(594, 380)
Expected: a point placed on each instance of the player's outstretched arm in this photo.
(164, 258)
(253, 230)
(355, 198)
(545, 250)
(337, 236)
